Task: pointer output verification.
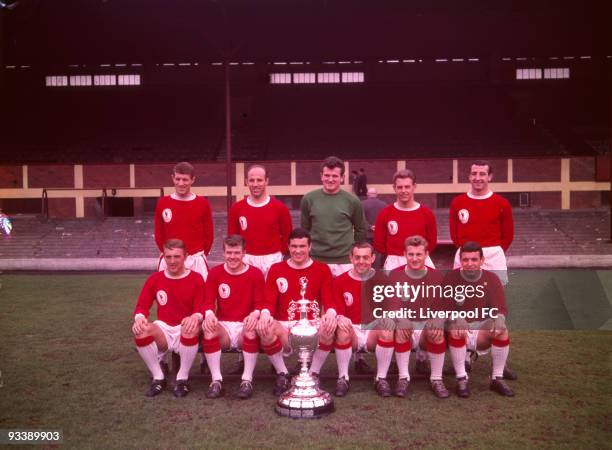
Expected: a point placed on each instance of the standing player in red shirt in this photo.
(263, 221)
(484, 217)
(352, 334)
(406, 217)
(420, 332)
(232, 291)
(179, 293)
(479, 296)
(283, 285)
(186, 216)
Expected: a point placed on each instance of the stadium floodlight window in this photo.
(473, 59)
(56, 81)
(409, 60)
(24, 67)
(304, 78)
(296, 63)
(393, 61)
(247, 63)
(105, 65)
(73, 66)
(280, 63)
(280, 78)
(80, 80)
(441, 60)
(329, 62)
(506, 59)
(553, 58)
(568, 57)
(457, 59)
(357, 62)
(556, 73)
(120, 65)
(352, 77)
(344, 62)
(585, 57)
(184, 64)
(168, 64)
(328, 77)
(129, 80)
(105, 80)
(136, 65)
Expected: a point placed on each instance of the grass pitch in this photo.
(68, 361)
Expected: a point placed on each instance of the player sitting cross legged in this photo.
(350, 334)
(232, 290)
(285, 282)
(419, 331)
(179, 293)
(480, 307)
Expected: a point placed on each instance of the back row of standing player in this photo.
(336, 221)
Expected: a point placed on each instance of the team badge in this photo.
(282, 285)
(224, 290)
(162, 298)
(348, 298)
(243, 223)
(167, 215)
(464, 216)
(392, 227)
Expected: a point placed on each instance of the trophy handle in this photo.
(293, 306)
(315, 310)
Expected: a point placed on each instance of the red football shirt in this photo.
(233, 296)
(394, 225)
(265, 227)
(176, 298)
(188, 220)
(486, 292)
(283, 286)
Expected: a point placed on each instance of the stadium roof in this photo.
(39, 32)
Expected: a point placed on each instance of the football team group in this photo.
(244, 303)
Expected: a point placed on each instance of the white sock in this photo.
(250, 360)
(343, 359)
(318, 359)
(278, 362)
(214, 363)
(383, 360)
(499, 355)
(187, 354)
(436, 361)
(458, 357)
(150, 356)
(403, 359)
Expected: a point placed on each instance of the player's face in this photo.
(331, 179)
(299, 250)
(257, 182)
(175, 260)
(415, 257)
(182, 183)
(471, 262)
(404, 190)
(233, 257)
(480, 178)
(362, 259)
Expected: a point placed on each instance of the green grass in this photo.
(68, 361)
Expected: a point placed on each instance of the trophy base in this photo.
(304, 412)
(304, 400)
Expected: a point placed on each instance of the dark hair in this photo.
(234, 240)
(404, 173)
(471, 246)
(415, 241)
(299, 233)
(184, 168)
(171, 244)
(333, 162)
(482, 162)
(257, 166)
(362, 244)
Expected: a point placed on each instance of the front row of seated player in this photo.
(237, 308)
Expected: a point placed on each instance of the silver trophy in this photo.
(304, 400)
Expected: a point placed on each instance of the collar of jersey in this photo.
(414, 208)
(187, 272)
(411, 277)
(305, 266)
(470, 280)
(246, 267)
(480, 197)
(370, 274)
(192, 196)
(258, 205)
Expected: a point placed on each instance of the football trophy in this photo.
(304, 400)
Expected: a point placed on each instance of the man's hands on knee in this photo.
(190, 324)
(328, 323)
(140, 325)
(250, 321)
(210, 323)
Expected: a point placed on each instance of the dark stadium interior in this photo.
(427, 108)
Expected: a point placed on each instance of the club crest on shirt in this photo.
(282, 285)
(162, 297)
(392, 227)
(167, 215)
(464, 216)
(348, 298)
(224, 290)
(243, 222)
